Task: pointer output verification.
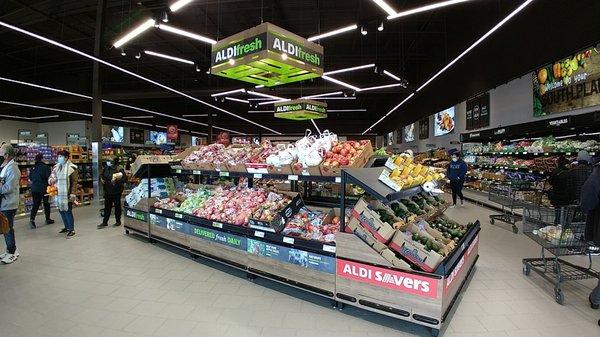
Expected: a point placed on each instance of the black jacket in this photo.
(590, 203)
(566, 185)
(38, 175)
(113, 187)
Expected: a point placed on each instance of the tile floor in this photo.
(104, 283)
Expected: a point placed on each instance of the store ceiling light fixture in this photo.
(333, 32)
(324, 95)
(384, 86)
(168, 57)
(199, 115)
(363, 31)
(385, 6)
(256, 93)
(185, 33)
(392, 75)
(424, 8)
(114, 103)
(177, 5)
(134, 33)
(237, 100)
(139, 117)
(483, 37)
(29, 118)
(316, 127)
(336, 81)
(227, 92)
(108, 64)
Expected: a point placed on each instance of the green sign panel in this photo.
(267, 55)
(301, 109)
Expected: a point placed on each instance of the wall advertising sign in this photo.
(424, 128)
(136, 136)
(294, 256)
(568, 84)
(172, 132)
(443, 122)
(388, 278)
(267, 55)
(409, 133)
(478, 112)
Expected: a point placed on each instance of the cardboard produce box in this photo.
(359, 162)
(365, 236)
(300, 170)
(415, 252)
(283, 169)
(364, 216)
(391, 257)
(283, 215)
(146, 159)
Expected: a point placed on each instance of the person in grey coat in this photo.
(9, 199)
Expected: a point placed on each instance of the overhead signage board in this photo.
(267, 55)
(301, 109)
(478, 112)
(568, 84)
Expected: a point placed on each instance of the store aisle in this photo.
(104, 283)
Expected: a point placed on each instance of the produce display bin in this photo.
(136, 221)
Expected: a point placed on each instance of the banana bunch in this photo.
(408, 174)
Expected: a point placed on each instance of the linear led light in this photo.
(324, 95)
(113, 103)
(237, 100)
(255, 93)
(324, 98)
(198, 115)
(333, 32)
(387, 8)
(349, 69)
(108, 64)
(29, 118)
(383, 86)
(260, 111)
(46, 108)
(126, 121)
(182, 32)
(347, 110)
(228, 92)
(498, 25)
(273, 102)
(392, 75)
(177, 5)
(135, 32)
(138, 117)
(260, 86)
(389, 112)
(316, 127)
(333, 80)
(424, 8)
(168, 57)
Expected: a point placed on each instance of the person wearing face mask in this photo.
(64, 176)
(9, 199)
(113, 180)
(457, 170)
(38, 176)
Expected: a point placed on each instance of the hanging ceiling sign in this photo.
(267, 55)
(301, 109)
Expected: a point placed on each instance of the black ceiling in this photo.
(413, 47)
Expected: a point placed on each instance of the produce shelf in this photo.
(287, 177)
(535, 154)
(510, 168)
(368, 179)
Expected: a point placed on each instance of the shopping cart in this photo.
(561, 232)
(508, 196)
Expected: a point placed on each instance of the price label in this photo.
(305, 173)
(288, 240)
(524, 152)
(546, 154)
(179, 216)
(338, 179)
(223, 174)
(328, 248)
(259, 234)
(158, 211)
(257, 175)
(568, 153)
(218, 169)
(197, 172)
(217, 224)
(178, 171)
(292, 177)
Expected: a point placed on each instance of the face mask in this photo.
(109, 163)
(454, 159)
(61, 160)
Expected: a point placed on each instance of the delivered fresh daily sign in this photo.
(267, 55)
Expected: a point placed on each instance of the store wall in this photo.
(510, 104)
(9, 129)
(57, 131)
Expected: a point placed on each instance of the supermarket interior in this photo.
(249, 168)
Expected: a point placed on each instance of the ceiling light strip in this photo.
(255, 93)
(182, 32)
(138, 117)
(168, 57)
(324, 95)
(333, 32)
(237, 100)
(273, 102)
(198, 115)
(349, 69)
(30, 118)
(383, 87)
(316, 127)
(392, 75)
(227, 92)
(389, 112)
(385, 6)
(490, 32)
(347, 110)
(344, 84)
(135, 32)
(126, 121)
(177, 5)
(73, 50)
(46, 108)
(424, 8)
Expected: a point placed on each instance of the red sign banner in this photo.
(395, 280)
(172, 132)
(461, 263)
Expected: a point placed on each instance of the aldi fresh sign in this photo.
(301, 109)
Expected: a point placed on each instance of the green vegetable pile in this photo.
(449, 228)
(385, 216)
(430, 244)
(412, 206)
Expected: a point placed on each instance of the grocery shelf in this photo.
(512, 153)
(510, 168)
(368, 179)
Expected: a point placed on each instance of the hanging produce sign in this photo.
(478, 112)
(267, 55)
(301, 109)
(569, 84)
(172, 132)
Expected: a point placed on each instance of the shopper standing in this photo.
(64, 176)
(113, 180)
(457, 171)
(38, 176)
(590, 203)
(9, 199)
(578, 175)
(559, 193)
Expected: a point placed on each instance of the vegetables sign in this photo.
(569, 84)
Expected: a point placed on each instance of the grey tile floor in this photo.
(104, 283)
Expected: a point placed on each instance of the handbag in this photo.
(4, 226)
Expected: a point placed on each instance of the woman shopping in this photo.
(64, 176)
(457, 170)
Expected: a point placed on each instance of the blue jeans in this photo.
(67, 218)
(9, 238)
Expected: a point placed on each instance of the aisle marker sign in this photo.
(388, 278)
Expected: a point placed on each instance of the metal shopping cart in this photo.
(510, 197)
(561, 232)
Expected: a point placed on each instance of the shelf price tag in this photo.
(292, 177)
(338, 179)
(535, 153)
(178, 171)
(179, 216)
(217, 224)
(257, 175)
(328, 248)
(158, 211)
(524, 152)
(568, 153)
(288, 240)
(197, 172)
(223, 174)
(259, 234)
